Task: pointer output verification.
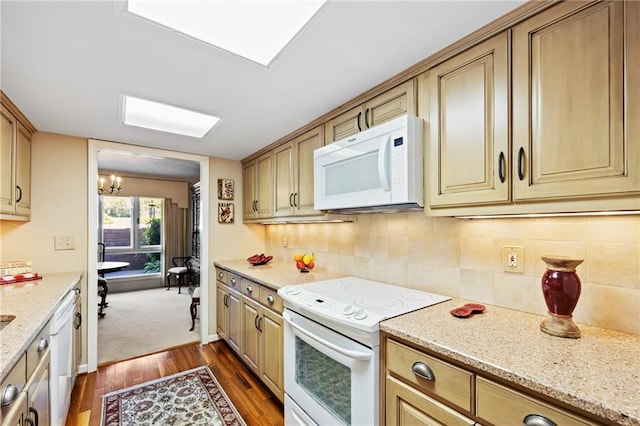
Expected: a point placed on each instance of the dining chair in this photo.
(103, 287)
(182, 269)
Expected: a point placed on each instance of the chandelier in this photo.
(113, 189)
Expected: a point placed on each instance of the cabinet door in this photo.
(469, 126)
(23, 171)
(251, 334)
(77, 335)
(303, 164)
(248, 190)
(234, 333)
(272, 363)
(284, 186)
(38, 393)
(7, 133)
(407, 406)
(568, 103)
(391, 104)
(346, 124)
(222, 312)
(264, 186)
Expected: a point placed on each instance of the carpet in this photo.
(141, 322)
(191, 397)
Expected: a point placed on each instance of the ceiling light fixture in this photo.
(166, 118)
(257, 29)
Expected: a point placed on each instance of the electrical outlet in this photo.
(513, 259)
(63, 242)
(285, 241)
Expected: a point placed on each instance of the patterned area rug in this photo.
(191, 397)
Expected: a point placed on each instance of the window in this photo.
(131, 230)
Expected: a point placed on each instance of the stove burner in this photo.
(378, 302)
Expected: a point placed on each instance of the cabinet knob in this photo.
(537, 420)
(233, 281)
(249, 289)
(43, 345)
(421, 369)
(220, 275)
(270, 299)
(77, 290)
(9, 394)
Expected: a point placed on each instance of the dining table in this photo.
(110, 266)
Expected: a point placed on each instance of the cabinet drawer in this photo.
(270, 299)
(221, 275)
(17, 377)
(501, 406)
(449, 382)
(37, 349)
(234, 281)
(251, 289)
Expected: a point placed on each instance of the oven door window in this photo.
(326, 380)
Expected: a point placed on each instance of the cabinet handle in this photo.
(501, 166)
(36, 418)
(43, 345)
(259, 327)
(255, 322)
(249, 289)
(520, 165)
(224, 300)
(366, 118)
(270, 299)
(9, 394)
(359, 115)
(291, 200)
(20, 193)
(28, 420)
(421, 369)
(79, 318)
(295, 199)
(537, 420)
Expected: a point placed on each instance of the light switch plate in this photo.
(63, 242)
(513, 259)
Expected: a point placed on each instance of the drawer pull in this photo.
(421, 369)
(270, 299)
(537, 420)
(9, 394)
(43, 345)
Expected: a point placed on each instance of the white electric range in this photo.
(332, 341)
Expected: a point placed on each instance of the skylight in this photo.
(255, 29)
(166, 118)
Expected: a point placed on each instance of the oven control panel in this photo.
(327, 307)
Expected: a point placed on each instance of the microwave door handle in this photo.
(382, 163)
(361, 356)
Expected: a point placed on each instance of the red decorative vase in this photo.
(561, 289)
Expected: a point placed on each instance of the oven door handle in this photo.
(360, 356)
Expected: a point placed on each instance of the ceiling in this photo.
(66, 64)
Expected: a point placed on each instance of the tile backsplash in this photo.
(463, 258)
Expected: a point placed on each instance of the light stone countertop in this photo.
(598, 373)
(33, 303)
(274, 274)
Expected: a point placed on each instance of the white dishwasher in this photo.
(61, 330)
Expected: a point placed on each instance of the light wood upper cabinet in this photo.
(468, 115)
(257, 187)
(293, 165)
(569, 102)
(393, 103)
(15, 163)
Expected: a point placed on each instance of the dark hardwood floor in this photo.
(254, 402)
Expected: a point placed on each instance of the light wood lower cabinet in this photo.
(499, 405)
(249, 318)
(423, 389)
(228, 309)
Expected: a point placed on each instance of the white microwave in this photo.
(378, 169)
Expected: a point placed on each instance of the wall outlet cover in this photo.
(513, 259)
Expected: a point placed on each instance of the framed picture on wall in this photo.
(225, 212)
(225, 189)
